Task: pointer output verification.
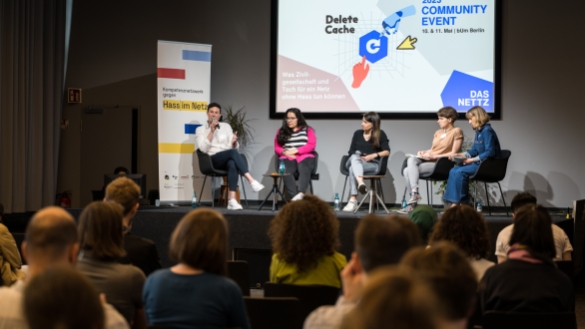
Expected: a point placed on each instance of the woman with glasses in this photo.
(295, 144)
(367, 148)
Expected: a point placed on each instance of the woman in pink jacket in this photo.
(295, 144)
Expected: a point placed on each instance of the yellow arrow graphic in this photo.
(407, 44)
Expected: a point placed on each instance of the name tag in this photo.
(443, 135)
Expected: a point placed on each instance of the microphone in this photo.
(215, 119)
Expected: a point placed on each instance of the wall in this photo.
(113, 58)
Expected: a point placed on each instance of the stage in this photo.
(248, 228)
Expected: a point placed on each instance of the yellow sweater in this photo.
(325, 273)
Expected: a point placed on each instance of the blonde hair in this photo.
(124, 191)
(480, 114)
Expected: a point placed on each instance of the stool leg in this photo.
(201, 193)
(383, 205)
(363, 199)
(503, 199)
(244, 189)
(343, 192)
(487, 196)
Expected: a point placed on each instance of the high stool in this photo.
(372, 193)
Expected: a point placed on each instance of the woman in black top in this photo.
(368, 146)
(528, 281)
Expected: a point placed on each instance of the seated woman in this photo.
(218, 140)
(195, 293)
(101, 244)
(529, 280)
(485, 145)
(368, 146)
(294, 144)
(446, 141)
(304, 241)
(467, 229)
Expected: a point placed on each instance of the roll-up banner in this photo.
(184, 79)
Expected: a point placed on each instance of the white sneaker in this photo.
(256, 186)
(362, 188)
(350, 206)
(414, 198)
(297, 197)
(406, 210)
(234, 205)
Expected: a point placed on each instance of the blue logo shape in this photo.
(464, 91)
(374, 46)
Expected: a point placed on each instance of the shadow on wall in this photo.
(539, 186)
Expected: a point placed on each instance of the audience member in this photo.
(140, 252)
(468, 230)
(378, 242)
(398, 299)
(528, 281)
(50, 240)
(195, 293)
(562, 244)
(62, 298)
(446, 269)
(10, 261)
(101, 238)
(304, 241)
(425, 218)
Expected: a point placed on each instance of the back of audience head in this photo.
(200, 241)
(124, 191)
(101, 231)
(425, 219)
(62, 298)
(121, 171)
(50, 237)
(450, 276)
(533, 230)
(304, 231)
(395, 298)
(521, 199)
(465, 227)
(383, 241)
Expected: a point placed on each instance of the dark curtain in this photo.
(32, 52)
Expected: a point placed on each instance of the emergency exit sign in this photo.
(74, 95)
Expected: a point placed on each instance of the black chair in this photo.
(513, 320)
(567, 267)
(440, 173)
(238, 271)
(492, 170)
(314, 174)
(272, 313)
(207, 169)
(378, 182)
(154, 326)
(311, 297)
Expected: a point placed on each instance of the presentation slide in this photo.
(395, 57)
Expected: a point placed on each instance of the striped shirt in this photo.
(297, 139)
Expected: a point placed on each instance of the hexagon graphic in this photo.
(374, 46)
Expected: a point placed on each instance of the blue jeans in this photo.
(457, 190)
(233, 162)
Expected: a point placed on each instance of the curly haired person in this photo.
(467, 229)
(304, 242)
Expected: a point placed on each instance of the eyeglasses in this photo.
(290, 119)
